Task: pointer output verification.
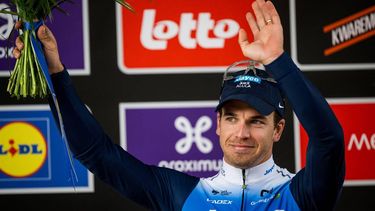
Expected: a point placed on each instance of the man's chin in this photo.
(240, 162)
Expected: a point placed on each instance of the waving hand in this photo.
(267, 31)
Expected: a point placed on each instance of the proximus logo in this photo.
(6, 29)
(203, 124)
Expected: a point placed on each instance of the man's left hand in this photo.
(267, 31)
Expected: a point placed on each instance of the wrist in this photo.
(272, 58)
(56, 68)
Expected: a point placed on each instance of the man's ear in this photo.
(278, 130)
(218, 117)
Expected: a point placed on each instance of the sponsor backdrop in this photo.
(33, 158)
(74, 45)
(186, 131)
(355, 115)
(152, 79)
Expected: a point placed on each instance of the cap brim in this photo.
(257, 103)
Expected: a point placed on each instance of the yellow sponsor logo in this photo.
(23, 149)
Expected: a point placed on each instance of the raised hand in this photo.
(267, 31)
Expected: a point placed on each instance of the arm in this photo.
(150, 186)
(154, 187)
(318, 185)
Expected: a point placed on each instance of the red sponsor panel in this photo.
(356, 116)
(168, 36)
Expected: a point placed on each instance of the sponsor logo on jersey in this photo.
(270, 170)
(265, 200)
(219, 201)
(223, 193)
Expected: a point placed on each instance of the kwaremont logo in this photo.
(351, 30)
(183, 146)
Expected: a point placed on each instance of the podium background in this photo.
(106, 87)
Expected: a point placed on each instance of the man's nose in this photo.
(243, 131)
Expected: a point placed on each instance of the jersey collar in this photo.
(252, 175)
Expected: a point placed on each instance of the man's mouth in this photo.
(242, 147)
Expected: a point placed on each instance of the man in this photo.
(249, 121)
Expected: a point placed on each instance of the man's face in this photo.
(246, 136)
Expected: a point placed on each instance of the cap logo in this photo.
(247, 78)
(244, 81)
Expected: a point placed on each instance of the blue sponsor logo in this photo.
(248, 78)
(269, 170)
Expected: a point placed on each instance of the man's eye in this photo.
(257, 122)
(230, 119)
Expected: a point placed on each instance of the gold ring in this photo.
(268, 21)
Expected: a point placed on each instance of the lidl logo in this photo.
(33, 157)
(23, 149)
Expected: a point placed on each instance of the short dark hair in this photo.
(276, 118)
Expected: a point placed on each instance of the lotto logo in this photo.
(186, 37)
(165, 30)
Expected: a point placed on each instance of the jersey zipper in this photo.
(243, 189)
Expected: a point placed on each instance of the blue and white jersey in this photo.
(264, 187)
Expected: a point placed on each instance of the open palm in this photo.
(267, 32)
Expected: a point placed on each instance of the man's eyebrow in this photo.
(259, 117)
(229, 113)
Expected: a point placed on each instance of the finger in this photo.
(252, 23)
(43, 33)
(267, 13)
(258, 14)
(261, 2)
(18, 25)
(273, 13)
(19, 43)
(46, 37)
(16, 53)
(242, 38)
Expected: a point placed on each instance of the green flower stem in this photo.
(25, 65)
(42, 83)
(33, 82)
(12, 76)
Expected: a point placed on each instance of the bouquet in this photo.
(28, 77)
